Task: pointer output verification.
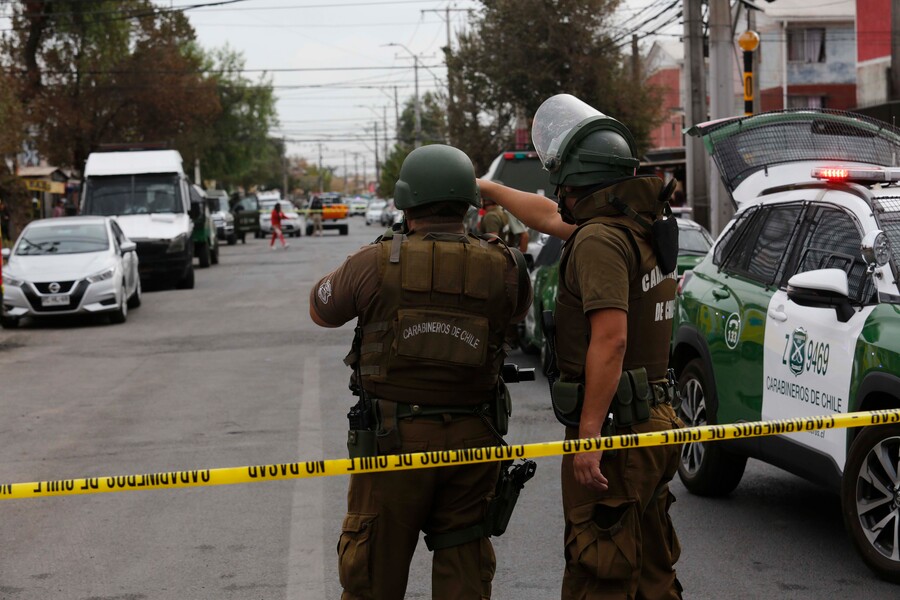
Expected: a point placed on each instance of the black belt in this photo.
(405, 411)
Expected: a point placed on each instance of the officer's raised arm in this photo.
(536, 211)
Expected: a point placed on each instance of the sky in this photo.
(333, 66)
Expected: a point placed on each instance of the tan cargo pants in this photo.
(620, 544)
(386, 512)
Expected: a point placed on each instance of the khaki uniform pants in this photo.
(620, 544)
(317, 224)
(386, 512)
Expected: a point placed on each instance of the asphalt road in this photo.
(234, 373)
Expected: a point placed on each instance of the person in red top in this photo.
(277, 217)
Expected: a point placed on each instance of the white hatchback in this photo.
(70, 265)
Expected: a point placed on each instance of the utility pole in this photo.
(384, 118)
(377, 163)
(345, 171)
(721, 101)
(319, 170)
(895, 51)
(365, 185)
(697, 184)
(356, 170)
(418, 115)
(635, 60)
(284, 167)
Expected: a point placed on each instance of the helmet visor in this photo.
(555, 118)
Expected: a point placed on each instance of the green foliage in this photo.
(433, 117)
(236, 149)
(390, 170)
(521, 52)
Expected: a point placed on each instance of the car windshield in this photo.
(132, 195)
(220, 204)
(693, 241)
(63, 239)
(269, 206)
(376, 204)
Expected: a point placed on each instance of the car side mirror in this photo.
(822, 288)
(128, 247)
(6, 252)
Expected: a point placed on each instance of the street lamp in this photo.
(418, 117)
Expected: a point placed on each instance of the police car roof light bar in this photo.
(858, 174)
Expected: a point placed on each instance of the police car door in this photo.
(808, 350)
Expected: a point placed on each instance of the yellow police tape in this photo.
(441, 458)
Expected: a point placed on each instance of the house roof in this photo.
(805, 10)
(40, 171)
(665, 54)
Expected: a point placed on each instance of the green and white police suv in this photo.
(795, 312)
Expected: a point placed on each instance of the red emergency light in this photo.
(857, 174)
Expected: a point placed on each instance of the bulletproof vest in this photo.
(651, 295)
(434, 334)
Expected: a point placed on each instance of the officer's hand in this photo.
(587, 471)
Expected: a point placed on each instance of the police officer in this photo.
(507, 227)
(613, 322)
(432, 305)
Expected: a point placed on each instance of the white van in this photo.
(147, 191)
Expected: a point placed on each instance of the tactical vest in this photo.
(434, 333)
(651, 295)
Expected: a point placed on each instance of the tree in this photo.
(236, 149)
(520, 52)
(106, 71)
(433, 118)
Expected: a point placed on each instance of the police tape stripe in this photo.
(441, 458)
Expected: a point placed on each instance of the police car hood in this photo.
(782, 147)
(155, 226)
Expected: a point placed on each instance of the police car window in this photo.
(833, 240)
(761, 251)
(766, 254)
(732, 236)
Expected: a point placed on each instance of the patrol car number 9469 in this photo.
(802, 354)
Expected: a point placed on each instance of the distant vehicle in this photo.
(522, 170)
(70, 265)
(391, 214)
(358, 206)
(292, 226)
(246, 216)
(206, 242)
(334, 211)
(221, 215)
(148, 192)
(374, 211)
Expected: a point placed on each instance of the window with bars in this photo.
(806, 45)
(760, 254)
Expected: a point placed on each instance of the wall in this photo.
(668, 134)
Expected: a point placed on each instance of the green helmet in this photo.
(436, 173)
(581, 146)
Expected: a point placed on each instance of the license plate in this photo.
(55, 300)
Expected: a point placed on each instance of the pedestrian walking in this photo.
(613, 322)
(277, 217)
(432, 304)
(60, 209)
(315, 211)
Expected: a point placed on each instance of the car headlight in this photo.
(102, 275)
(178, 244)
(12, 281)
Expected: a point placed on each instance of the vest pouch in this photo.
(362, 443)
(442, 337)
(664, 237)
(567, 398)
(632, 401)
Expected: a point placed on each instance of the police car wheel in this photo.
(870, 496)
(705, 469)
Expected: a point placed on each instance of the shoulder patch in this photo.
(324, 291)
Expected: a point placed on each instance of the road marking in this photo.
(306, 565)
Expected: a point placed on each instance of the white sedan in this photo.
(374, 211)
(70, 265)
(291, 226)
